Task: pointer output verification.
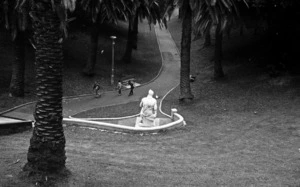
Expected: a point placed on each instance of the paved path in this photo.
(165, 81)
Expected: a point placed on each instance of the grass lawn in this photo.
(241, 131)
(127, 109)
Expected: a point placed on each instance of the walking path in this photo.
(167, 79)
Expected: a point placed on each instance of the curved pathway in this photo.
(167, 79)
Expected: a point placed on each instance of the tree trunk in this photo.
(90, 64)
(207, 39)
(180, 13)
(47, 145)
(218, 70)
(228, 30)
(129, 44)
(242, 29)
(135, 29)
(18, 67)
(185, 87)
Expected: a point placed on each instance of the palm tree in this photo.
(130, 35)
(46, 152)
(204, 13)
(16, 88)
(220, 13)
(207, 39)
(143, 9)
(185, 88)
(93, 48)
(218, 68)
(98, 12)
(135, 29)
(155, 11)
(16, 21)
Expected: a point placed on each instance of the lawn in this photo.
(241, 131)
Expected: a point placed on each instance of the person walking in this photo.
(119, 87)
(96, 88)
(131, 88)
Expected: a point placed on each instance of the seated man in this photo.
(149, 110)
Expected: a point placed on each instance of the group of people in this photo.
(97, 87)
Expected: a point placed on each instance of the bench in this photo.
(125, 82)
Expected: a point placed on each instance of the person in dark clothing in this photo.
(131, 88)
(96, 88)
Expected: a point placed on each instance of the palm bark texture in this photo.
(47, 144)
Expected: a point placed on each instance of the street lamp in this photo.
(112, 59)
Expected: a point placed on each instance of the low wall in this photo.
(177, 120)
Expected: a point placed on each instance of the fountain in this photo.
(145, 121)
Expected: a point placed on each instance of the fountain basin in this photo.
(127, 124)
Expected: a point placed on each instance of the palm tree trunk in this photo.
(18, 67)
(218, 70)
(242, 29)
(46, 152)
(185, 87)
(228, 31)
(90, 64)
(129, 44)
(180, 13)
(207, 39)
(135, 29)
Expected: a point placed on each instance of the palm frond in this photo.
(222, 12)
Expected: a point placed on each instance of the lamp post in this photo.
(112, 59)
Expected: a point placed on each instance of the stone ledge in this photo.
(13, 125)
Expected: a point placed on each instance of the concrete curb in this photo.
(111, 126)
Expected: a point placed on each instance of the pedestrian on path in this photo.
(96, 88)
(131, 88)
(119, 87)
